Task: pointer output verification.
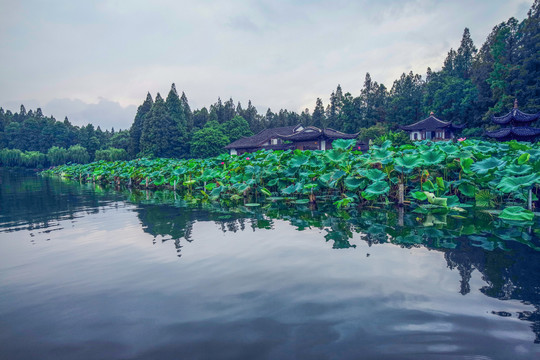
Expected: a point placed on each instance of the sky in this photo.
(95, 60)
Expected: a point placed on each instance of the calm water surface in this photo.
(94, 273)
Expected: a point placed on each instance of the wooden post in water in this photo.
(530, 200)
(401, 195)
(174, 185)
(147, 182)
(401, 213)
(129, 182)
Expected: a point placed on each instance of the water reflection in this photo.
(506, 255)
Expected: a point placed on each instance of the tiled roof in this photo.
(312, 133)
(521, 131)
(334, 134)
(430, 124)
(515, 116)
(261, 137)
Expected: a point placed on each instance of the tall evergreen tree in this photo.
(318, 117)
(178, 116)
(405, 102)
(136, 128)
(527, 80)
(465, 55)
(188, 115)
(160, 133)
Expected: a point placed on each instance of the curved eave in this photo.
(515, 116)
(522, 131)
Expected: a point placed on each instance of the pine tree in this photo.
(160, 134)
(465, 55)
(177, 114)
(527, 82)
(318, 118)
(137, 126)
(187, 112)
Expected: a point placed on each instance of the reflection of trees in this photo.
(506, 255)
(28, 201)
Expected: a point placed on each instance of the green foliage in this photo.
(78, 154)
(111, 154)
(430, 172)
(516, 213)
(208, 142)
(57, 155)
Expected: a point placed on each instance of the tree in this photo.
(178, 116)
(160, 135)
(209, 141)
(318, 117)
(236, 128)
(405, 100)
(187, 112)
(527, 80)
(465, 55)
(136, 128)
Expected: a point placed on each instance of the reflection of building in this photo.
(432, 128)
(517, 126)
(290, 137)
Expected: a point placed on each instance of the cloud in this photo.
(278, 54)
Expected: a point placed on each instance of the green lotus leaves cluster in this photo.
(450, 175)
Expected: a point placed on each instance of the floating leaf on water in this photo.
(252, 204)
(516, 213)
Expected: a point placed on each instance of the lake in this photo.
(88, 272)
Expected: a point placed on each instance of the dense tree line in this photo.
(28, 138)
(472, 85)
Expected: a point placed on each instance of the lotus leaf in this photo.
(299, 160)
(489, 165)
(381, 155)
(515, 183)
(518, 169)
(352, 183)
(419, 195)
(252, 204)
(432, 199)
(377, 188)
(408, 161)
(523, 158)
(343, 144)
(432, 157)
(289, 190)
(336, 156)
(338, 175)
(466, 165)
(516, 213)
(484, 198)
(449, 149)
(468, 190)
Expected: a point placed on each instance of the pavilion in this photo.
(516, 126)
(291, 138)
(432, 128)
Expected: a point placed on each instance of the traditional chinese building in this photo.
(291, 137)
(313, 138)
(516, 126)
(432, 129)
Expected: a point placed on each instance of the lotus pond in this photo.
(427, 175)
(92, 271)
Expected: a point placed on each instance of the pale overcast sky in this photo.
(96, 60)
